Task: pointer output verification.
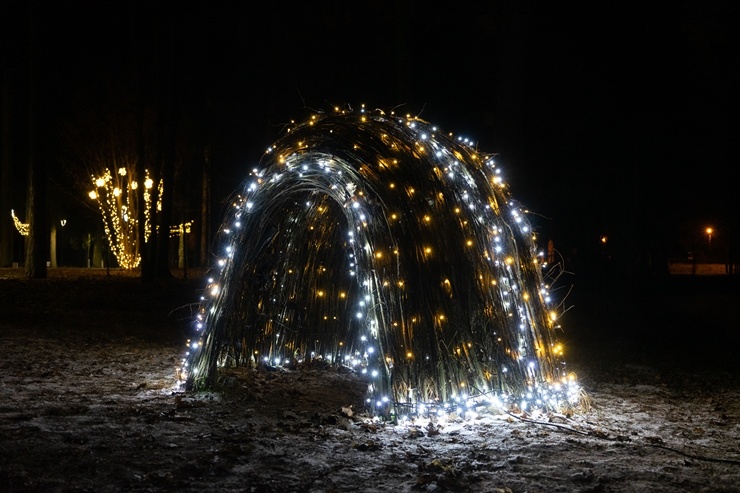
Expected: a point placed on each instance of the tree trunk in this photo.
(37, 245)
(6, 224)
(53, 246)
(36, 251)
(169, 156)
(145, 265)
(205, 208)
(168, 179)
(168, 118)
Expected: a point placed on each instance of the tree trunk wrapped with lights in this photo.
(376, 242)
(117, 196)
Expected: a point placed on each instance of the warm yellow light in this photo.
(119, 211)
(23, 228)
(469, 242)
(149, 183)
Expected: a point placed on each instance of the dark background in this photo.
(609, 119)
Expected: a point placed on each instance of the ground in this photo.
(89, 403)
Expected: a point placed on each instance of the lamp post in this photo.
(63, 223)
(709, 232)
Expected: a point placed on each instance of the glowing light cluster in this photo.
(376, 242)
(181, 229)
(119, 206)
(20, 226)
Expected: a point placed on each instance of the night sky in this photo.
(614, 119)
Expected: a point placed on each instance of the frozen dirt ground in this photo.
(87, 368)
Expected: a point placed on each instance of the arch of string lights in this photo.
(374, 241)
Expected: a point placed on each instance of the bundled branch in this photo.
(377, 242)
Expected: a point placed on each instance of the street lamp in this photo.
(709, 232)
(63, 223)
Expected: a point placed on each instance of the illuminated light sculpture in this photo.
(181, 229)
(376, 242)
(119, 205)
(23, 228)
